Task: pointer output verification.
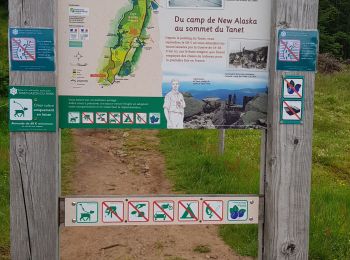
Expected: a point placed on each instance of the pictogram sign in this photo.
(188, 210)
(213, 210)
(114, 118)
(293, 87)
(128, 118)
(291, 111)
(87, 117)
(112, 211)
(237, 210)
(86, 212)
(141, 118)
(138, 211)
(163, 211)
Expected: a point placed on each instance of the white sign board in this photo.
(161, 210)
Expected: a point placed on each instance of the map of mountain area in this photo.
(128, 37)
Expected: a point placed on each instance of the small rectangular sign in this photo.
(297, 50)
(32, 109)
(293, 87)
(31, 49)
(161, 210)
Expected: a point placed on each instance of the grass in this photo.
(68, 157)
(4, 182)
(195, 167)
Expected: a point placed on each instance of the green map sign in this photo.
(162, 64)
(32, 109)
(297, 50)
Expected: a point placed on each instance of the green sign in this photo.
(111, 112)
(32, 109)
(32, 49)
(297, 50)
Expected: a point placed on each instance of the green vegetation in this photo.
(3, 52)
(334, 26)
(195, 167)
(68, 158)
(4, 182)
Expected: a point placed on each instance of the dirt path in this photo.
(116, 163)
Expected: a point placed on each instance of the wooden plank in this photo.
(288, 154)
(34, 167)
(262, 193)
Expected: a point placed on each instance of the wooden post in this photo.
(288, 149)
(34, 170)
(221, 141)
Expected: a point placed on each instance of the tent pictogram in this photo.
(188, 210)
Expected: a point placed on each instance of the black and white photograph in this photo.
(247, 54)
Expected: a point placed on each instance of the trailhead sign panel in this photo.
(163, 64)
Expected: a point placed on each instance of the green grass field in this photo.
(195, 167)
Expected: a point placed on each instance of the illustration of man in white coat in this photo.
(174, 107)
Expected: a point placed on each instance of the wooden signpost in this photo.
(285, 154)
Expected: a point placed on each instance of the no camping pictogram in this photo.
(138, 211)
(141, 118)
(87, 118)
(114, 118)
(212, 210)
(163, 211)
(292, 110)
(112, 211)
(128, 118)
(289, 50)
(188, 210)
(292, 87)
(23, 49)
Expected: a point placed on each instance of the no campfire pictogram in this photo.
(188, 210)
(163, 211)
(212, 210)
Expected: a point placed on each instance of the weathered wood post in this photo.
(34, 177)
(288, 148)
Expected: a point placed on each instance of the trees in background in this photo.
(334, 26)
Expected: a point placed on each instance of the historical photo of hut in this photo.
(195, 3)
(248, 54)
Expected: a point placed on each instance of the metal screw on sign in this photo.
(74, 203)
(74, 220)
(251, 218)
(251, 202)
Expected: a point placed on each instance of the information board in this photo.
(162, 64)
